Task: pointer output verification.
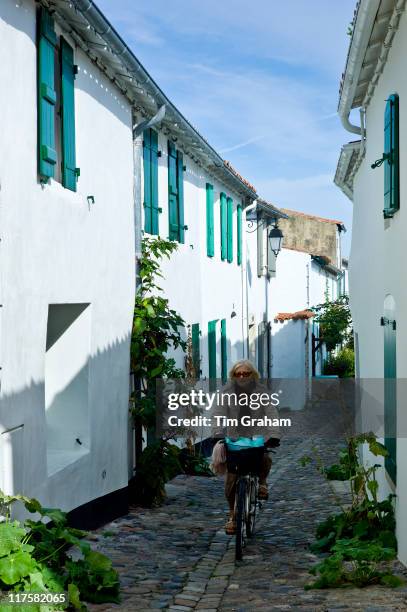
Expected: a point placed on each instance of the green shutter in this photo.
(239, 234)
(223, 226)
(390, 397)
(150, 163)
(212, 353)
(223, 349)
(230, 229)
(196, 355)
(172, 193)
(391, 155)
(69, 170)
(154, 182)
(210, 241)
(180, 182)
(47, 156)
(147, 180)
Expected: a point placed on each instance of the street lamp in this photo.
(276, 240)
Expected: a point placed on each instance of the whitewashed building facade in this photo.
(309, 271)
(70, 223)
(370, 172)
(67, 265)
(199, 202)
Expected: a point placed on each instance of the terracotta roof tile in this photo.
(239, 176)
(295, 316)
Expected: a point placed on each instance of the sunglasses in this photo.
(242, 374)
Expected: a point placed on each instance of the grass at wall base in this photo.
(359, 542)
(36, 557)
(156, 331)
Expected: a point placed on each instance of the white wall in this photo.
(199, 287)
(378, 254)
(56, 249)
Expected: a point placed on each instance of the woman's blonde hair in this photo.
(248, 365)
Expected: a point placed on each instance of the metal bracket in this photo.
(379, 162)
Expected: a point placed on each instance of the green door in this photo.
(390, 394)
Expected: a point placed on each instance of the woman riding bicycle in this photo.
(243, 392)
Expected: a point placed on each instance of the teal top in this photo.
(242, 443)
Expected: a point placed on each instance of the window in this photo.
(230, 229)
(176, 194)
(66, 383)
(53, 128)
(391, 157)
(150, 164)
(210, 242)
(239, 234)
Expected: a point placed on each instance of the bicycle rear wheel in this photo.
(241, 518)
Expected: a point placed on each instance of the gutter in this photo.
(363, 25)
(120, 49)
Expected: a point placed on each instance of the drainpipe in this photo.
(246, 210)
(364, 22)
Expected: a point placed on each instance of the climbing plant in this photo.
(156, 328)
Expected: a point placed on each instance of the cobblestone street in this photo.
(178, 557)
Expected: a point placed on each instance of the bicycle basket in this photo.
(245, 460)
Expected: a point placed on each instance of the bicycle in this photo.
(244, 457)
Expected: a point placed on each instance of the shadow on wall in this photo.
(288, 345)
(55, 452)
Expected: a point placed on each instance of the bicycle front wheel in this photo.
(241, 518)
(252, 507)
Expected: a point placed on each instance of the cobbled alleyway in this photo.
(178, 557)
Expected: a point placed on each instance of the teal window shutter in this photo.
(223, 348)
(70, 172)
(196, 354)
(180, 184)
(230, 229)
(173, 215)
(47, 156)
(212, 353)
(239, 234)
(391, 157)
(390, 396)
(147, 181)
(150, 164)
(223, 226)
(154, 182)
(210, 239)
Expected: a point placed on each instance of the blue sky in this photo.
(259, 79)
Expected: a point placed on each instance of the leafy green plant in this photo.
(348, 463)
(156, 328)
(361, 538)
(334, 318)
(342, 364)
(35, 557)
(158, 463)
